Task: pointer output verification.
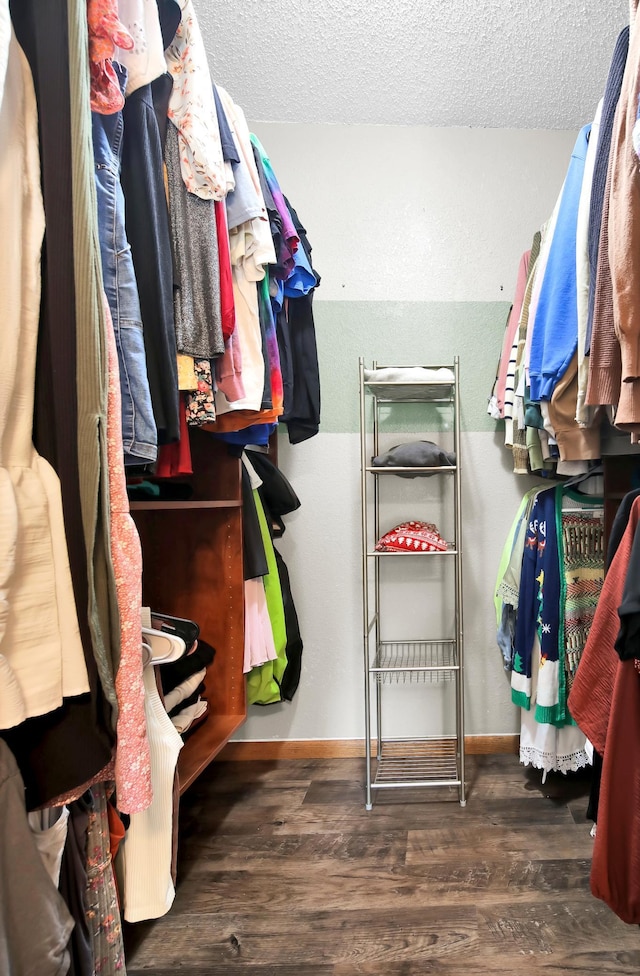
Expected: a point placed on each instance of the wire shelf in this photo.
(412, 391)
(414, 661)
(422, 396)
(413, 469)
(424, 762)
(449, 551)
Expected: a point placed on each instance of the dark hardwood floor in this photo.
(282, 872)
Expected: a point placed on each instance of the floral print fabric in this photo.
(106, 32)
(201, 405)
(103, 913)
(192, 109)
(132, 760)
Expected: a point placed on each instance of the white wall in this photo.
(402, 214)
(418, 214)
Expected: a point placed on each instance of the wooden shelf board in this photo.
(204, 745)
(166, 506)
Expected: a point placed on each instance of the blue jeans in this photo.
(139, 434)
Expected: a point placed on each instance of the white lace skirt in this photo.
(546, 747)
(550, 749)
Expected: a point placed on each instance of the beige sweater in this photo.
(624, 235)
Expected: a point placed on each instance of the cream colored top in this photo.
(145, 61)
(41, 655)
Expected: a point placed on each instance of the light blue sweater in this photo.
(555, 331)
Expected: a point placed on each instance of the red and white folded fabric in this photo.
(412, 536)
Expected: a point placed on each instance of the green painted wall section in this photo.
(407, 333)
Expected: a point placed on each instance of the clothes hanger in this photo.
(164, 647)
(578, 479)
(597, 471)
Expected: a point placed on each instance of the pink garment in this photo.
(229, 370)
(133, 761)
(258, 632)
(106, 32)
(512, 328)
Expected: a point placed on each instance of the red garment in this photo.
(116, 831)
(592, 692)
(175, 459)
(413, 536)
(605, 702)
(227, 303)
(615, 869)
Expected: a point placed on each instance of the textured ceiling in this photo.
(497, 63)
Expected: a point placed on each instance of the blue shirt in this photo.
(555, 331)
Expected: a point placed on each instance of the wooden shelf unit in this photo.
(192, 556)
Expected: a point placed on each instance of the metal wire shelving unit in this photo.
(416, 761)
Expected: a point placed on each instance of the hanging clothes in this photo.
(512, 327)
(106, 34)
(584, 415)
(263, 683)
(35, 924)
(49, 828)
(601, 166)
(605, 700)
(41, 655)
(144, 59)
(46, 747)
(293, 650)
(624, 236)
(132, 770)
(539, 612)
(579, 346)
(507, 587)
(555, 332)
(516, 352)
(582, 542)
(101, 899)
(68, 758)
(547, 591)
(139, 432)
(147, 223)
(73, 886)
(91, 364)
(193, 112)
(144, 856)
(197, 308)
(302, 415)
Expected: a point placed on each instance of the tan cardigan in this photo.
(624, 235)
